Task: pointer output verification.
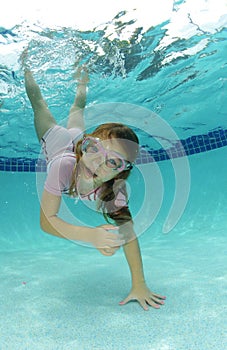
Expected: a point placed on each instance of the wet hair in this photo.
(130, 143)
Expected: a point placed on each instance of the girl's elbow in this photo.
(44, 223)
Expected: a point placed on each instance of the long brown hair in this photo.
(129, 141)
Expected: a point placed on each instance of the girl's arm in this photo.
(76, 115)
(133, 253)
(139, 290)
(99, 237)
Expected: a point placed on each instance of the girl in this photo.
(94, 167)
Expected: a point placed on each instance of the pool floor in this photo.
(66, 297)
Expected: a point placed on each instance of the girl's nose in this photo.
(98, 160)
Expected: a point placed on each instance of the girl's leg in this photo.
(76, 115)
(43, 118)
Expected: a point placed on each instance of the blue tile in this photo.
(14, 161)
(26, 167)
(189, 146)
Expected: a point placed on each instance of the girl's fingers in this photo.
(108, 251)
(143, 304)
(116, 242)
(110, 227)
(125, 301)
(146, 301)
(158, 296)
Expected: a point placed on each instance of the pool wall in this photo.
(205, 209)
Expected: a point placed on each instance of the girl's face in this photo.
(103, 159)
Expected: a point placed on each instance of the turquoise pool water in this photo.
(58, 295)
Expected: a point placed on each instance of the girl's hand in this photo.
(106, 242)
(144, 296)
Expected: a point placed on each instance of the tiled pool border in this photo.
(192, 145)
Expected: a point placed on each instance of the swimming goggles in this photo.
(113, 160)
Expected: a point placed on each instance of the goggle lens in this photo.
(112, 159)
